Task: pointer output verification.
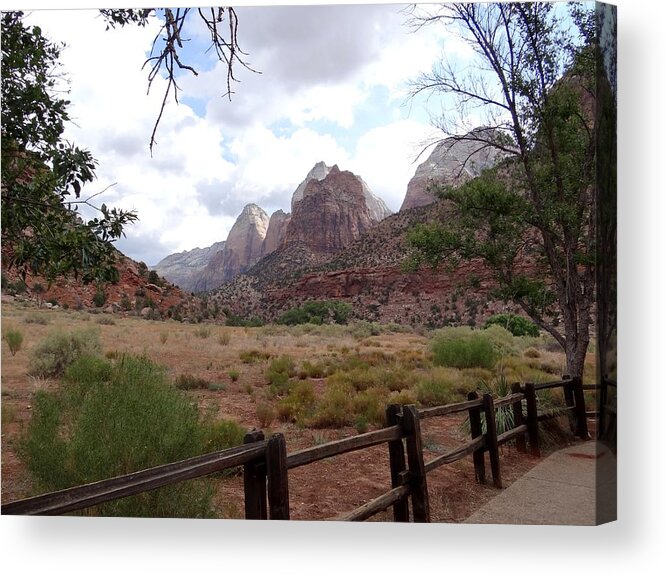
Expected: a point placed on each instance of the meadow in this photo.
(204, 385)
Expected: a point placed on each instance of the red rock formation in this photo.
(332, 213)
(277, 230)
(242, 249)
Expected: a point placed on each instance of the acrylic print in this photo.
(313, 263)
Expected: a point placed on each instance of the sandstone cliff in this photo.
(378, 209)
(452, 162)
(275, 234)
(242, 249)
(183, 268)
(331, 214)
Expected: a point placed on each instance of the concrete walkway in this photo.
(574, 486)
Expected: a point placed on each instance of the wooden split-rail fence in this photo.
(266, 463)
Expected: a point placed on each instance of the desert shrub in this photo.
(37, 318)
(187, 381)
(99, 299)
(334, 409)
(224, 338)
(221, 434)
(217, 387)
(297, 406)
(133, 420)
(59, 350)
(313, 370)
(14, 339)
(404, 397)
(472, 350)
(265, 414)
(363, 329)
(371, 405)
(361, 423)
(233, 375)
(317, 312)
(279, 373)
(517, 325)
(202, 331)
(432, 392)
(253, 356)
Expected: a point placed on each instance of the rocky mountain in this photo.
(242, 249)
(137, 292)
(363, 262)
(330, 209)
(183, 268)
(331, 213)
(275, 234)
(378, 209)
(369, 274)
(452, 162)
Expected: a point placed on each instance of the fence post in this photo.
(581, 416)
(532, 421)
(518, 418)
(491, 439)
(476, 430)
(417, 475)
(397, 463)
(278, 480)
(567, 389)
(254, 482)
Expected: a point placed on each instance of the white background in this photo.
(634, 543)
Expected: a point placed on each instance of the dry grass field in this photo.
(312, 383)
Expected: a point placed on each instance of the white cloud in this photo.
(386, 158)
(320, 68)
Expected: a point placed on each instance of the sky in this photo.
(333, 87)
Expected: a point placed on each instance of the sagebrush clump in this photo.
(58, 351)
(112, 419)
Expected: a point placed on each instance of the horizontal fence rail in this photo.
(91, 494)
(265, 462)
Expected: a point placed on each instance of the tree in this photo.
(220, 22)
(531, 219)
(42, 174)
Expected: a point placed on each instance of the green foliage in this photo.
(122, 418)
(233, 375)
(99, 299)
(279, 373)
(317, 312)
(14, 339)
(299, 403)
(431, 391)
(516, 324)
(537, 205)
(463, 351)
(187, 381)
(53, 355)
(253, 356)
(42, 174)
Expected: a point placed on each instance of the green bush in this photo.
(14, 339)
(473, 350)
(58, 351)
(431, 392)
(99, 299)
(297, 406)
(128, 419)
(317, 312)
(517, 325)
(278, 374)
(187, 382)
